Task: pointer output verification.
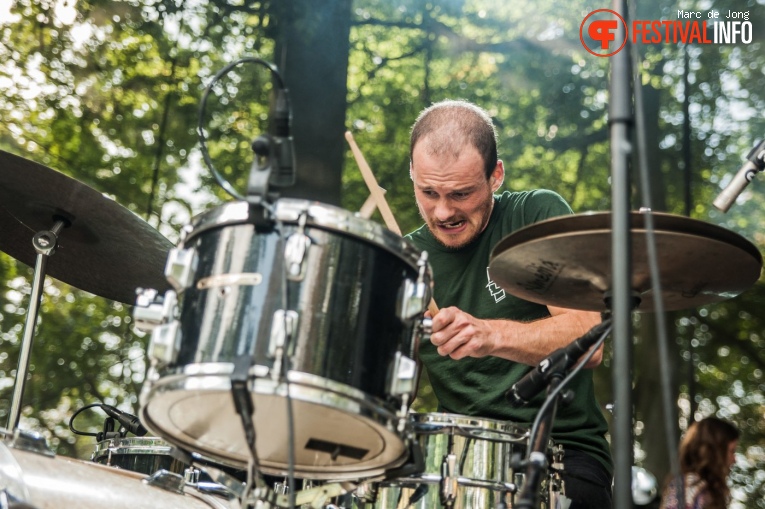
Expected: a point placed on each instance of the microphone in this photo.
(129, 421)
(755, 163)
(561, 360)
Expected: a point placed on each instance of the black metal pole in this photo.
(620, 121)
(528, 498)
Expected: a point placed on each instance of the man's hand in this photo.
(459, 334)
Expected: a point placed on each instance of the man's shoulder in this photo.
(421, 236)
(526, 207)
(530, 197)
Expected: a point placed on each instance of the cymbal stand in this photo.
(45, 243)
(620, 120)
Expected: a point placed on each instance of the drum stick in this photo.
(374, 188)
(369, 206)
(379, 196)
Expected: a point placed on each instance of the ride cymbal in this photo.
(566, 262)
(105, 248)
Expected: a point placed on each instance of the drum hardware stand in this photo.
(620, 120)
(45, 243)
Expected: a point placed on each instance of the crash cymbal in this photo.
(105, 249)
(566, 262)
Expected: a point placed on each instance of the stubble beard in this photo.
(432, 226)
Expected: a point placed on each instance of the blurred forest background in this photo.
(108, 93)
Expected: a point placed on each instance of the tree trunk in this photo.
(312, 45)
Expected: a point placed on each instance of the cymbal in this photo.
(566, 262)
(106, 249)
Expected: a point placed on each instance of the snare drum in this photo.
(467, 465)
(137, 454)
(352, 294)
(31, 479)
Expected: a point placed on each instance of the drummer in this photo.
(484, 339)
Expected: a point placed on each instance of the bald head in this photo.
(447, 127)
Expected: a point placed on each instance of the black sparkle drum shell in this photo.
(341, 355)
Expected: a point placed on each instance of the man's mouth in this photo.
(451, 225)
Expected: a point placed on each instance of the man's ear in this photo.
(497, 176)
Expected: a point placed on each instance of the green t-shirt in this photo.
(476, 387)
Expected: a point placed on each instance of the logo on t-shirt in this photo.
(495, 291)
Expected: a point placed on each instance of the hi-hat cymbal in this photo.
(106, 249)
(566, 262)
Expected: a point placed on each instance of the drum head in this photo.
(334, 436)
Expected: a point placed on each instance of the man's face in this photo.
(454, 196)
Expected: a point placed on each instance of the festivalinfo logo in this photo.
(604, 32)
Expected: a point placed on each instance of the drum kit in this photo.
(283, 350)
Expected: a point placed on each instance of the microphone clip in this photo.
(263, 163)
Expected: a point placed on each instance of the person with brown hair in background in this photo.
(706, 456)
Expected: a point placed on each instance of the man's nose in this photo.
(443, 210)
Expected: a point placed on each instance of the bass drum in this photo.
(351, 292)
(36, 481)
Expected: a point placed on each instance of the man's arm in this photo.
(459, 334)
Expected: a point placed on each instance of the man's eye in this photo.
(460, 196)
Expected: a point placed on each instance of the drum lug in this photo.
(449, 480)
(165, 343)
(157, 314)
(403, 376)
(415, 295)
(295, 251)
(151, 310)
(421, 332)
(426, 328)
(283, 325)
(181, 268)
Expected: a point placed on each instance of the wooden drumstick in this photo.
(374, 188)
(376, 191)
(369, 206)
